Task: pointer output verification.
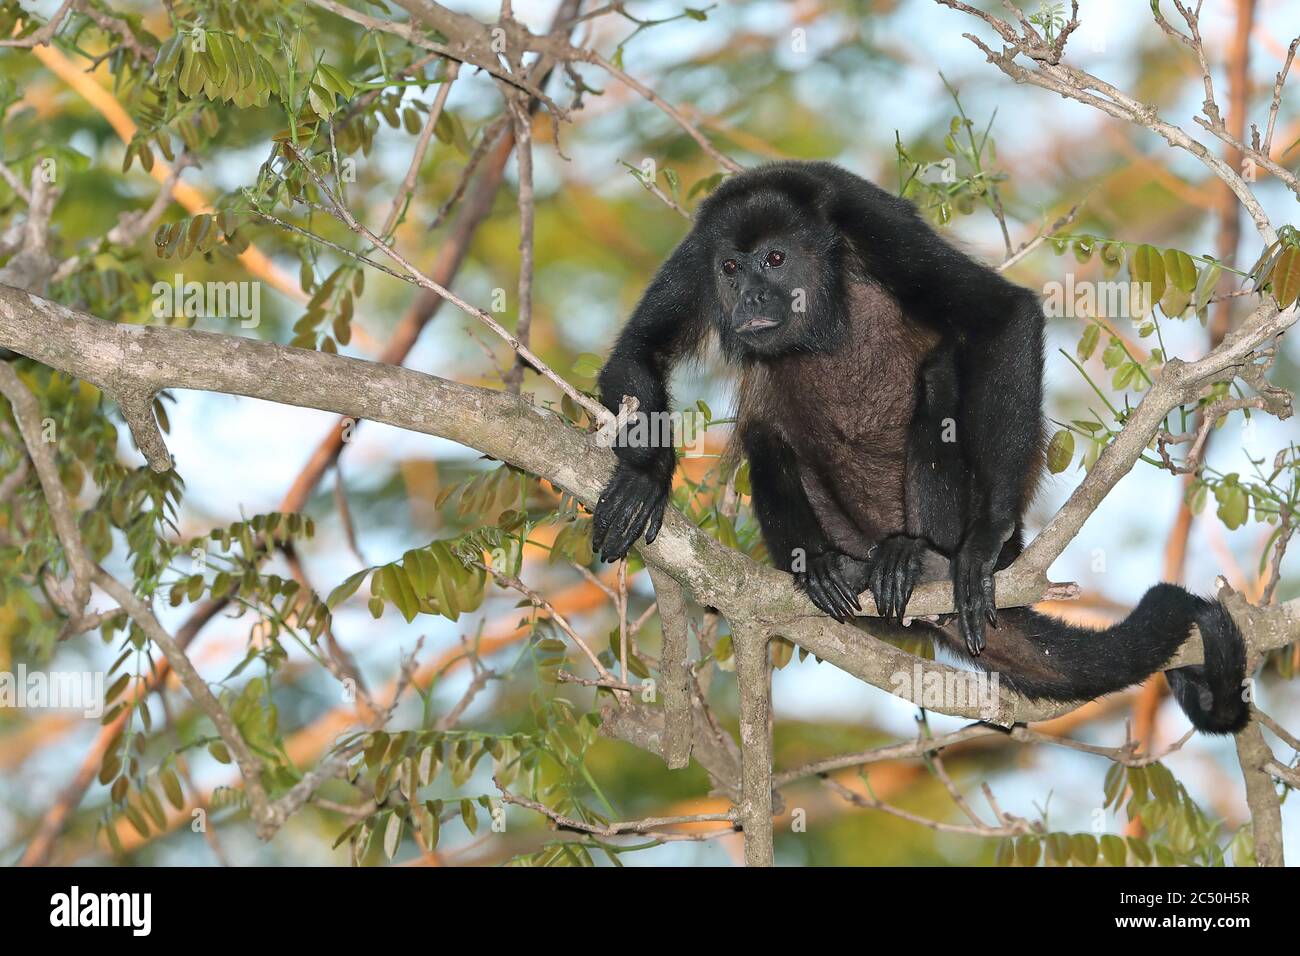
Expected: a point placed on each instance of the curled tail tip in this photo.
(1213, 694)
(1208, 715)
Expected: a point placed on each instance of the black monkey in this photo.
(890, 409)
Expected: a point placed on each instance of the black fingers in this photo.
(990, 599)
(656, 521)
(895, 569)
(811, 585)
(975, 598)
(828, 587)
(632, 504)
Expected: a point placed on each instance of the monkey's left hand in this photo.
(833, 582)
(972, 582)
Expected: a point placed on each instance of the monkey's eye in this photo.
(731, 267)
(775, 258)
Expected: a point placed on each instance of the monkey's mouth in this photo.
(757, 324)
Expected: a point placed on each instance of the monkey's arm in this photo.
(668, 323)
(1000, 368)
(793, 535)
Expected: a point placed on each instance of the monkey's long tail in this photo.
(1045, 658)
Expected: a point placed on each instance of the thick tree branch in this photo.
(674, 669)
(121, 358)
(755, 811)
(1255, 757)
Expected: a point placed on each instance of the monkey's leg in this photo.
(1000, 371)
(794, 537)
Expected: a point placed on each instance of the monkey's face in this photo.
(777, 274)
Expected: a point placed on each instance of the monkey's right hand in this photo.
(632, 504)
(833, 582)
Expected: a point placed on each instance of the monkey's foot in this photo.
(896, 565)
(972, 583)
(833, 582)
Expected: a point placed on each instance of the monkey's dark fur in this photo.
(891, 407)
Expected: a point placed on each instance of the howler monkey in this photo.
(890, 408)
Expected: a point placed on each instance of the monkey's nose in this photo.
(753, 297)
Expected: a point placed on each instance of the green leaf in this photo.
(1060, 451)
(1059, 847)
(435, 822)
(449, 572)
(1027, 850)
(1088, 342)
(742, 480)
(587, 365)
(1112, 848)
(221, 57)
(415, 573)
(392, 835)
(1141, 849)
(169, 54)
(1180, 269)
(153, 806)
(343, 591)
(1084, 847)
(136, 820)
(1148, 267)
(1162, 783)
(705, 185)
(1114, 355)
(172, 788)
(398, 590)
(1205, 288)
(336, 81)
(117, 687)
(1175, 301)
(1114, 783)
(322, 101)
(426, 766)
(428, 572)
(674, 183)
(1286, 277)
(1112, 259)
(1234, 506)
(191, 77)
